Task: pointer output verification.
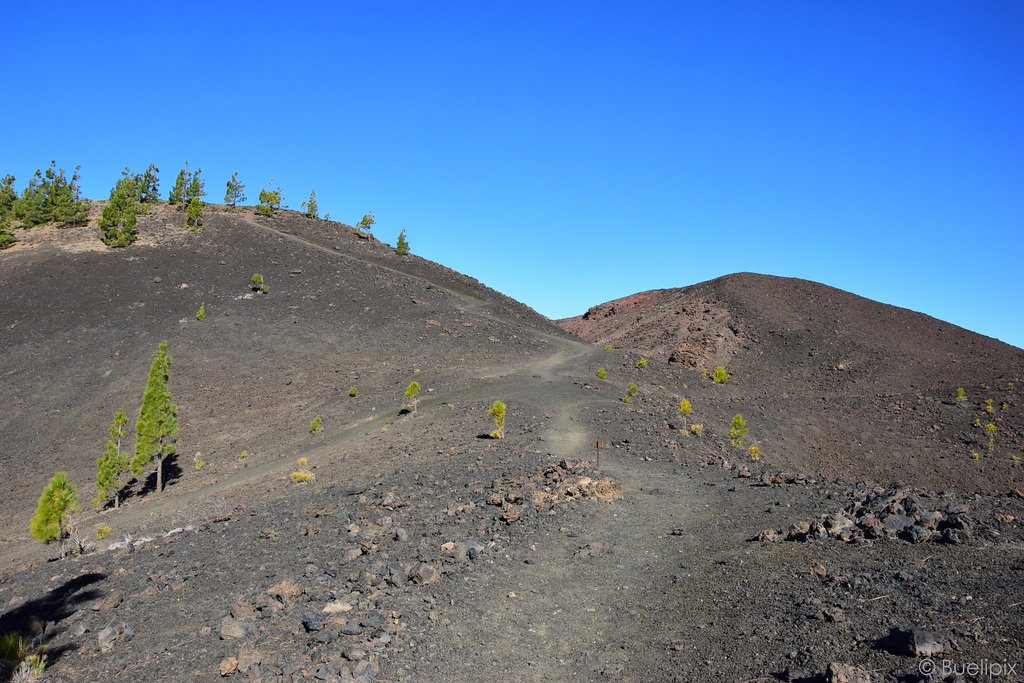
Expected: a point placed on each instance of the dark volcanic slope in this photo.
(423, 550)
(79, 324)
(844, 385)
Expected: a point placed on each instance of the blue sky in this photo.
(575, 152)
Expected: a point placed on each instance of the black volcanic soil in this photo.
(424, 550)
(833, 383)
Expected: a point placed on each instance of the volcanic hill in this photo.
(424, 549)
(841, 385)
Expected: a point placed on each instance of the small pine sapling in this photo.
(353, 392)
(411, 392)
(988, 405)
(314, 426)
(696, 429)
(607, 347)
(990, 429)
(402, 248)
(310, 207)
(302, 475)
(201, 313)
(259, 285)
(601, 373)
(58, 500)
(197, 461)
(365, 225)
(193, 214)
(642, 363)
(497, 412)
(685, 409)
(631, 391)
(755, 453)
(112, 467)
(737, 430)
(102, 531)
(960, 398)
(720, 376)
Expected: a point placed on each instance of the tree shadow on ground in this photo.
(172, 473)
(31, 618)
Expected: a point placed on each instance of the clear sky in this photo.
(568, 153)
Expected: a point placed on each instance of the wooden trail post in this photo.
(598, 446)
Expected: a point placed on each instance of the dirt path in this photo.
(574, 605)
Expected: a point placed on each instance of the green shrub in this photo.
(607, 347)
(720, 376)
(601, 373)
(642, 363)
(737, 430)
(102, 531)
(258, 285)
(497, 412)
(402, 248)
(314, 426)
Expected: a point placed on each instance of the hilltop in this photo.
(841, 385)
(423, 549)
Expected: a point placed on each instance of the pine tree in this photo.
(149, 185)
(403, 246)
(177, 194)
(497, 411)
(269, 200)
(196, 188)
(737, 430)
(365, 225)
(58, 500)
(234, 195)
(158, 420)
(112, 466)
(194, 213)
(310, 206)
(117, 222)
(411, 392)
(50, 197)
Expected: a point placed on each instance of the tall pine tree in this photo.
(158, 419)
